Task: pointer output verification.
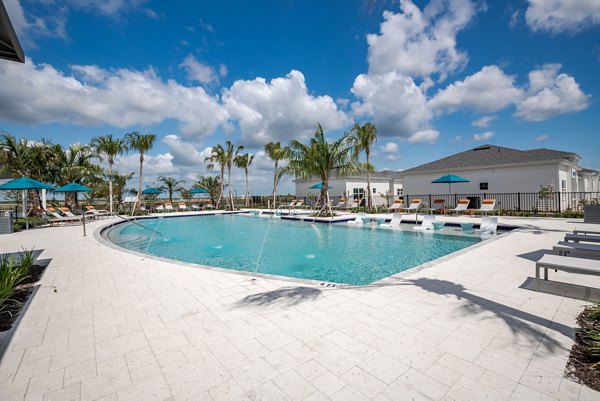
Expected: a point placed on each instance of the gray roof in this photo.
(384, 174)
(589, 170)
(10, 48)
(490, 155)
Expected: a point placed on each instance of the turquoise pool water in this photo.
(328, 252)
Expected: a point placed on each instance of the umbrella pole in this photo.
(83, 222)
(25, 209)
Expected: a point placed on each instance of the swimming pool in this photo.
(326, 252)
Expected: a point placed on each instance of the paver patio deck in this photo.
(120, 327)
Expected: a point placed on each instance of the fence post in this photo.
(519, 201)
(429, 205)
(558, 196)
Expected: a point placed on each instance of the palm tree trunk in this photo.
(247, 188)
(110, 188)
(139, 194)
(369, 196)
(222, 194)
(275, 184)
(229, 184)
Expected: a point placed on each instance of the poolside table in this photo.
(467, 226)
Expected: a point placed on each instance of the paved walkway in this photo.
(120, 327)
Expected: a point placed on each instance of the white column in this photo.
(44, 199)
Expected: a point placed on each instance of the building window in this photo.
(374, 190)
(358, 193)
(483, 186)
(399, 191)
(563, 185)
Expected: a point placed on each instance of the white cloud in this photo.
(542, 137)
(281, 109)
(486, 91)
(420, 43)
(396, 104)
(30, 26)
(562, 15)
(484, 136)
(200, 72)
(93, 96)
(428, 135)
(390, 147)
(484, 121)
(550, 94)
(185, 153)
(110, 8)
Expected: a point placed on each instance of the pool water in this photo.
(327, 252)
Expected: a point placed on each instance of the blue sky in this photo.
(436, 77)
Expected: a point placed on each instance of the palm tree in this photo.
(170, 184)
(213, 185)
(322, 159)
(231, 153)
(74, 165)
(111, 148)
(142, 143)
(364, 137)
(244, 161)
(218, 155)
(276, 153)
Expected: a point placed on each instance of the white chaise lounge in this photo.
(395, 222)
(582, 238)
(577, 249)
(489, 225)
(426, 224)
(567, 264)
(461, 207)
(360, 217)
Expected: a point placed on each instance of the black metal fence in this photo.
(518, 201)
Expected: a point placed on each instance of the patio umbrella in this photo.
(319, 186)
(151, 191)
(449, 179)
(75, 187)
(199, 190)
(24, 184)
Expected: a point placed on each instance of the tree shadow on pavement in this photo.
(287, 296)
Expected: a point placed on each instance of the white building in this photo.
(498, 170)
(383, 184)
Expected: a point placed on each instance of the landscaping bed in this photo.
(17, 282)
(584, 361)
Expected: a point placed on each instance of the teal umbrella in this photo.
(73, 187)
(319, 186)
(151, 191)
(449, 179)
(23, 184)
(199, 190)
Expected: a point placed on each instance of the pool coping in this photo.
(98, 235)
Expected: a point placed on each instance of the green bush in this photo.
(12, 272)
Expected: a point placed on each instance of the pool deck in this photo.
(122, 327)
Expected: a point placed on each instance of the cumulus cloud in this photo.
(551, 94)
(92, 95)
(30, 26)
(201, 72)
(542, 137)
(483, 136)
(484, 121)
(428, 135)
(396, 104)
(390, 147)
(562, 15)
(486, 91)
(280, 110)
(185, 153)
(420, 43)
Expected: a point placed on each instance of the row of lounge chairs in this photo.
(487, 206)
(181, 206)
(489, 225)
(64, 215)
(578, 253)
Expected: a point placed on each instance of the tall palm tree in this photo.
(231, 152)
(170, 184)
(218, 156)
(111, 147)
(364, 137)
(142, 143)
(74, 164)
(212, 184)
(322, 159)
(276, 153)
(244, 161)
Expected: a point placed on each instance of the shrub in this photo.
(12, 272)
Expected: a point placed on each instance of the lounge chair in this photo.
(461, 207)
(195, 206)
(66, 212)
(567, 264)
(183, 206)
(208, 206)
(426, 224)
(414, 206)
(301, 204)
(438, 206)
(395, 222)
(487, 206)
(92, 211)
(577, 250)
(360, 217)
(291, 204)
(340, 204)
(489, 225)
(397, 205)
(586, 232)
(58, 218)
(582, 238)
(169, 207)
(159, 208)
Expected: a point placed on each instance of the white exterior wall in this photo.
(526, 178)
(341, 186)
